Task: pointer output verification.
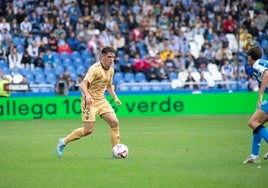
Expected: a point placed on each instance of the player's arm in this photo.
(84, 89)
(263, 86)
(111, 91)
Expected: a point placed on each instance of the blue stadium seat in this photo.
(3, 64)
(18, 41)
(78, 62)
(37, 71)
(57, 62)
(71, 69)
(118, 78)
(45, 89)
(67, 62)
(167, 86)
(5, 71)
(145, 86)
(86, 54)
(75, 55)
(73, 76)
(124, 88)
(129, 77)
(40, 79)
(140, 77)
(64, 55)
(51, 79)
(81, 70)
(49, 70)
(135, 88)
(172, 75)
(59, 70)
(20, 48)
(30, 78)
(26, 71)
(15, 71)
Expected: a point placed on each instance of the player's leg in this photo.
(256, 123)
(88, 117)
(75, 135)
(255, 148)
(259, 131)
(80, 132)
(113, 122)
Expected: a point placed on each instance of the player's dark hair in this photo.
(255, 52)
(107, 49)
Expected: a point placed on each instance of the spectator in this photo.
(46, 27)
(49, 58)
(4, 25)
(162, 72)
(260, 19)
(3, 53)
(33, 50)
(73, 41)
(153, 49)
(223, 53)
(253, 84)
(61, 87)
(227, 70)
(141, 65)
(14, 59)
(136, 34)
(170, 64)
(111, 24)
(201, 62)
(229, 25)
(190, 83)
(5, 37)
(27, 60)
(20, 15)
(59, 31)
(131, 48)
(119, 42)
(180, 63)
(39, 61)
(190, 63)
(64, 47)
(53, 42)
(81, 34)
(131, 22)
(9, 16)
(151, 73)
(25, 26)
(210, 53)
(15, 28)
(126, 64)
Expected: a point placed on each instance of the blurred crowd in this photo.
(151, 36)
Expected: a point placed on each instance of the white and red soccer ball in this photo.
(120, 151)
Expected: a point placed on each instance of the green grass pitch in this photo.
(165, 152)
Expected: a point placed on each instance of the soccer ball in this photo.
(120, 151)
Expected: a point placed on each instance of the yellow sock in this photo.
(115, 138)
(75, 135)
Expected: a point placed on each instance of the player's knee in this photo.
(252, 124)
(88, 131)
(114, 123)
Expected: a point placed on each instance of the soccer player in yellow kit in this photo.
(97, 80)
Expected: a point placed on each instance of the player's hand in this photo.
(118, 102)
(89, 100)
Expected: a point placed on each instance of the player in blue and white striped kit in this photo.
(260, 116)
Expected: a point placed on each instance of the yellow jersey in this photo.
(98, 79)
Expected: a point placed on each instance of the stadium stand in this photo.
(172, 34)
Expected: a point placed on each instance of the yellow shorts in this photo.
(89, 112)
